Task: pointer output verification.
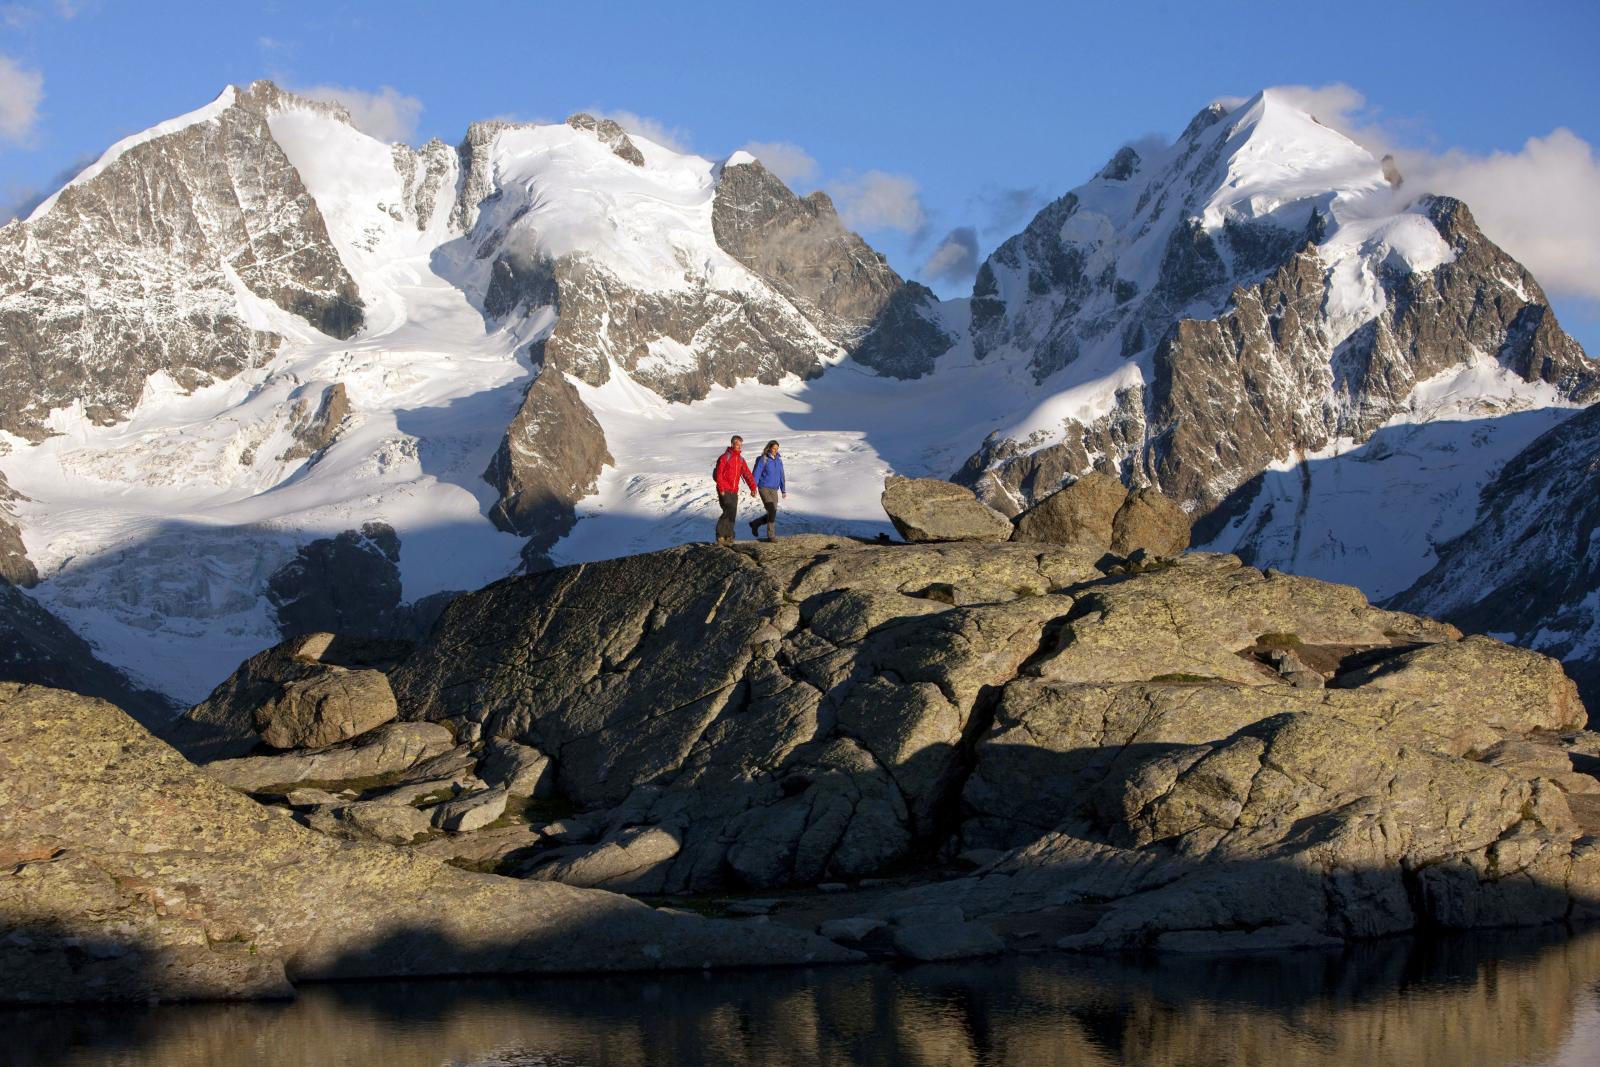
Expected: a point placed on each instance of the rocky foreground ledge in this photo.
(130, 875)
(933, 750)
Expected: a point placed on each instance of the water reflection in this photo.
(1487, 1000)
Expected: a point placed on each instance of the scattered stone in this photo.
(927, 509)
(832, 887)
(632, 860)
(521, 770)
(471, 812)
(946, 941)
(487, 849)
(570, 832)
(335, 705)
(411, 792)
(927, 915)
(750, 907)
(851, 930)
(309, 691)
(396, 824)
(310, 798)
(387, 750)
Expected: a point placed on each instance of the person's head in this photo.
(736, 442)
(771, 449)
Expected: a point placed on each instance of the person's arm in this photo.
(783, 482)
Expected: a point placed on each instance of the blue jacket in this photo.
(769, 473)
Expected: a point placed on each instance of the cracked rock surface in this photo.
(1142, 750)
(128, 874)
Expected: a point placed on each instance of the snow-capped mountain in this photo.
(259, 371)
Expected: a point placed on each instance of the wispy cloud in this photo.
(21, 91)
(17, 16)
(792, 164)
(879, 200)
(1538, 202)
(20, 202)
(386, 114)
(955, 259)
(1006, 210)
(672, 138)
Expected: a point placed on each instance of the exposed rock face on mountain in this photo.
(347, 584)
(610, 134)
(37, 648)
(1196, 732)
(552, 453)
(161, 234)
(799, 247)
(130, 875)
(1528, 569)
(15, 567)
(1257, 333)
(314, 428)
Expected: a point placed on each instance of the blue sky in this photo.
(927, 121)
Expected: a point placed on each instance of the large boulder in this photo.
(927, 509)
(1096, 512)
(128, 874)
(1149, 520)
(308, 692)
(1080, 515)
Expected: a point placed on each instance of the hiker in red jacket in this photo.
(729, 469)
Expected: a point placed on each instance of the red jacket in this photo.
(729, 469)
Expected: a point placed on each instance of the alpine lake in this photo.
(1514, 999)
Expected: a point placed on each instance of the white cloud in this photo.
(1538, 203)
(672, 138)
(386, 114)
(877, 200)
(21, 90)
(71, 9)
(17, 16)
(955, 259)
(791, 163)
(1541, 204)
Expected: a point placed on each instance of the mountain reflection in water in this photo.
(1512, 999)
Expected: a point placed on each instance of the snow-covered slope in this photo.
(1528, 569)
(531, 347)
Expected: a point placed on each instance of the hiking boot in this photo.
(755, 527)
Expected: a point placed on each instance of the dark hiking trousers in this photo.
(730, 512)
(769, 497)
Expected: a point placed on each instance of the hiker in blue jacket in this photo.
(768, 472)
